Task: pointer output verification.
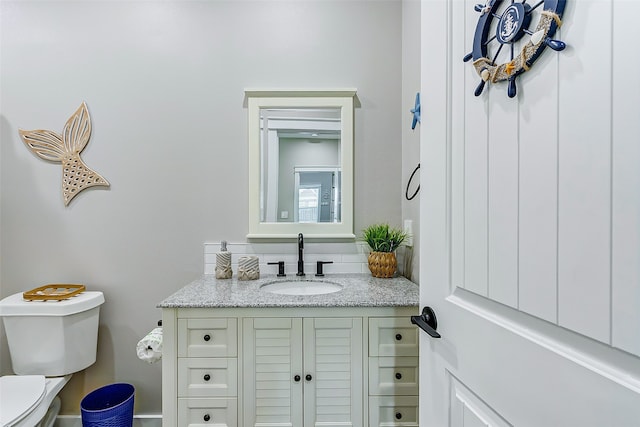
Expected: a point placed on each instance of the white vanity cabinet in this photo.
(294, 366)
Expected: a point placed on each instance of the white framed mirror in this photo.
(300, 163)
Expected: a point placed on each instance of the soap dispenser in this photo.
(223, 262)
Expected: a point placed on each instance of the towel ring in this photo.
(406, 193)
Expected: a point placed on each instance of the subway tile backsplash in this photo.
(346, 257)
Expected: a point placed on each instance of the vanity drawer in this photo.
(393, 376)
(205, 377)
(203, 412)
(392, 336)
(393, 411)
(208, 337)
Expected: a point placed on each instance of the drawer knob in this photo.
(398, 337)
(398, 376)
(296, 378)
(308, 377)
(398, 416)
(207, 377)
(207, 417)
(207, 337)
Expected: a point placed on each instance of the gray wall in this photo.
(410, 137)
(164, 83)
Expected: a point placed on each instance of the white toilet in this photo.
(48, 341)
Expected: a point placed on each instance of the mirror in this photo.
(300, 163)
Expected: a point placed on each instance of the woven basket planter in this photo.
(382, 264)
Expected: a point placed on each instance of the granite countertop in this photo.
(359, 290)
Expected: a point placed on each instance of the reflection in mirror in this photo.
(300, 163)
(317, 195)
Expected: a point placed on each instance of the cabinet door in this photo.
(272, 356)
(333, 373)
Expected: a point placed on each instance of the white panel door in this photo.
(530, 211)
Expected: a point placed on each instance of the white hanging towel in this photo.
(149, 348)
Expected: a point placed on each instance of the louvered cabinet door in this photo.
(333, 375)
(272, 357)
(302, 372)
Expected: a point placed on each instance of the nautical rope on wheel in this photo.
(512, 25)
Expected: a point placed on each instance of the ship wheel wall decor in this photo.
(65, 148)
(504, 24)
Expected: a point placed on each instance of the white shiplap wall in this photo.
(625, 175)
(550, 208)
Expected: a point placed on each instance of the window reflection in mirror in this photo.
(300, 163)
(317, 194)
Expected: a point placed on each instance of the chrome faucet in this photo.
(300, 258)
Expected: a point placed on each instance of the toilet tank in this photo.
(52, 338)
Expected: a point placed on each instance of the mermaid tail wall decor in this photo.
(66, 149)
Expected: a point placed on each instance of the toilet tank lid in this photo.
(15, 305)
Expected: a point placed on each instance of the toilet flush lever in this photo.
(427, 322)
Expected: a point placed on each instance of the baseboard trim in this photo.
(138, 421)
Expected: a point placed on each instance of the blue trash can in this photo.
(108, 406)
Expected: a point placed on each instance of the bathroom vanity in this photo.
(237, 354)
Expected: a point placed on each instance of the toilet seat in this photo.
(27, 398)
(21, 395)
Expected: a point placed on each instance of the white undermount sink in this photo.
(301, 287)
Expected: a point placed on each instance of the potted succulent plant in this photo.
(383, 241)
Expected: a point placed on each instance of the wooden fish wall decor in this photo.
(66, 149)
